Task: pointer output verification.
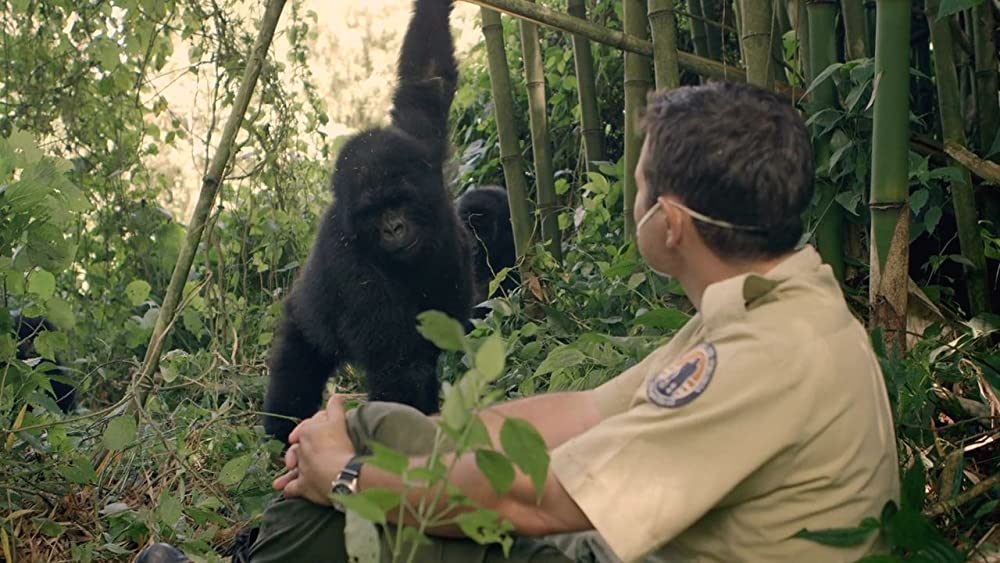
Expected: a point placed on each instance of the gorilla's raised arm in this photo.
(427, 74)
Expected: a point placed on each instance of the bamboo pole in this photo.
(209, 191)
(801, 25)
(756, 16)
(855, 37)
(890, 189)
(637, 84)
(510, 151)
(663, 26)
(985, 49)
(953, 131)
(586, 86)
(699, 29)
(541, 15)
(541, 147)
(822, 17)
(712, 12)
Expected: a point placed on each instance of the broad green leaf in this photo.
(49, 343)
(919, 199)
(235, 469)
(952, 7)
(490, 357)
(666, 319)
(525, 447)
(497, 468)
(79, 471)
(121, 432)
(48, 248)
(484, 526)
(446, 333)
(931, 218)
(385, 499)
(169, 511)
(137, 292)
(41, 284)
(363, 506)
(561, 358)
(388, 459)
(60, 313)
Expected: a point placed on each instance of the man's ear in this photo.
(675, 220)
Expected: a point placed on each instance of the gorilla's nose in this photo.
(394, 228)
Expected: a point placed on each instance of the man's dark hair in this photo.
(733, 152)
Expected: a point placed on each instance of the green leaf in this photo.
(840, 537)
(363, 507)
(525, 447)
(388, 459)
(60, 313)
(235, 470)
(490, 358)
(822, 77)
(497, 468)
(913, 485)
(79, 472)
(137, 292)
(561, 358)
(121, 432)
(169, 511)
(385, 499)
(446, 333)
(666, 319)
(42, 284)
(49, 343)
(48, 248)
(483, 526)
(919, 199)
(952, 7)
(931, 218)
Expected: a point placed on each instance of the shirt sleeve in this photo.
(645, 475)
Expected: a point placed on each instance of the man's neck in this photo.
(705, 268)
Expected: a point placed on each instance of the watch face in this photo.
(342, 489)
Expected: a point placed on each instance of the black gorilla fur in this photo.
(390, 247)
(485, 212)
(27, 329)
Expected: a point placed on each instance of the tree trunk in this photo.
(637, 83)
(663, 26)
(510, 150)
(822, 16)
(890, 189)
(541, 148)
(209, 191)
(987, 107)
(590, 115)
(855, 35)
(756, 16)
(953, 131)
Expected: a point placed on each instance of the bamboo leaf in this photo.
(952, 7)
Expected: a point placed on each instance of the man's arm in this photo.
(558, 417)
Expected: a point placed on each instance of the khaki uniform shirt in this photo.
(767, 413)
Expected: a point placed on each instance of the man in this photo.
(764, 415)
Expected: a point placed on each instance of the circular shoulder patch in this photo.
(685, 379)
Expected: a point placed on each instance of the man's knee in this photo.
(400, 427)
(299, 530)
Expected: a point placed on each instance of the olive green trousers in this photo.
(296, 530)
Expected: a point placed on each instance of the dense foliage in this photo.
(86, 241)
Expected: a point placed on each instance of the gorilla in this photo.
(389, 247)
(27, 329)
(485, 212)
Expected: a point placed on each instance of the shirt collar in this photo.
(726, 300)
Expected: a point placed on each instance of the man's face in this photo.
(653, 234)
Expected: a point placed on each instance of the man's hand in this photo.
(320, 448)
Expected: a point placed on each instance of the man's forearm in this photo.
(558, 417)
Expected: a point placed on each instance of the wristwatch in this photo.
(347, 481)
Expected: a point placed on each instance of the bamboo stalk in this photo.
(712, 12)
(209, 191)
(822, 17)
(855, 37)
(988, 171)
(637, 84)
(541, 15)
(590, 115)
(663, 26)
(890, 189)
(801, 24)
(985, 49)
(510, 151)
(541, 147)
(756, 16)
(953, 131)
(699, 29)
